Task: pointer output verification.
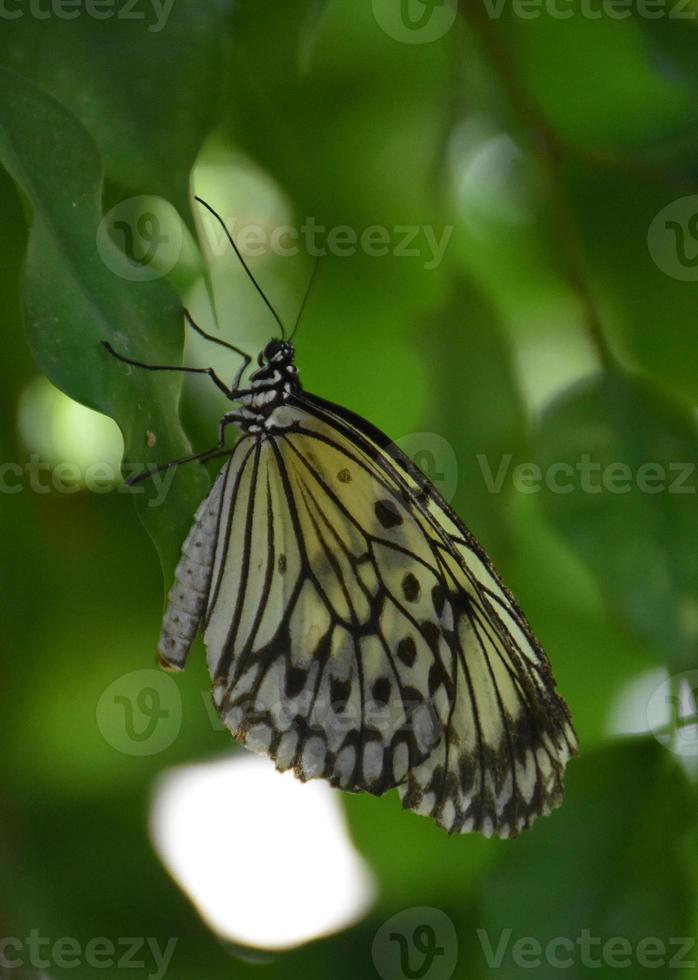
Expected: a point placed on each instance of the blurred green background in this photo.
(540, 145)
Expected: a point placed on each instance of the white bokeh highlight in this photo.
(266, 860)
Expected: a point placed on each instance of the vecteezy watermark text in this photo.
(317, 240)
(68, 477)
(587, 475)
(592, 9)
(586, 950)
(424, 21)
(99, 953)
(155, 12)
(439, 462)
(150, 244)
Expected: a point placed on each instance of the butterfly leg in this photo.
(246, 358)
(218, 450)
(168, 367)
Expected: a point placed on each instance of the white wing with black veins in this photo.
(356, 632)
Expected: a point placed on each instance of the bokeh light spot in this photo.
(266, 859)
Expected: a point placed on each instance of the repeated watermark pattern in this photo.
(422, 944)
(67, 478)
(317, 240)
(416, 944)
(98, 953)
(585, 950)
(435, 457)
(139, 242)
(153, 14)
(591, 9)
(672, 239)
(588, 476)
(672, 713)
(423, 21)
(140, 713)
(415, 21)
(429, 451)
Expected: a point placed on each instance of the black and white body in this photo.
(355, 630)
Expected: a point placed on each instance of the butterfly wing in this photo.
(509, 734)
(315, 660)
(356, 632)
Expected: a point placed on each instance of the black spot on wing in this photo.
(344, 476)
(388, 514)
(411, 588)
(439, 676)
(407, 651)
(339, 693)
(381, 690)
(295, 681)
(438, 597)
(430, 632)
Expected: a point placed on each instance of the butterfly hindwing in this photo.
(508, 737)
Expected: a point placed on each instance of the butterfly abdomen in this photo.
(188, 596)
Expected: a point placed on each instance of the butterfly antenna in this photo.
(244, 265)
(306, 296)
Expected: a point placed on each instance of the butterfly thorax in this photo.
(270, 388)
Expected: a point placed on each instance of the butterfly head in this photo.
(278, 353)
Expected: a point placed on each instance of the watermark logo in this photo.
(672, 239)
(432, 455)
(140, 713)
(138, 241)
(416, 944)
(415, 21)
(435, 457)
(672, 713)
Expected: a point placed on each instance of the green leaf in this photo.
(152, 79)
(476, 405)
(672, 42)
(312, 26)
(284, 118)
(622, 103)
(647, 303)
(618, 463)
(73, 300)
(610, 863)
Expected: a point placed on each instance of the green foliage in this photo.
(544, 334)
(73, 300)
(632, 452)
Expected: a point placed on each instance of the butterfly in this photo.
(355, 629)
